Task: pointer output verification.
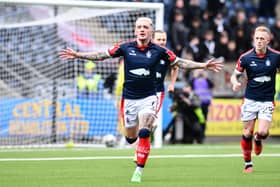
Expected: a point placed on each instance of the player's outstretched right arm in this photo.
(71, 54)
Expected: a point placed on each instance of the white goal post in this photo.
(43, 99)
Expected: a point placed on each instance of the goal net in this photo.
(45, 101)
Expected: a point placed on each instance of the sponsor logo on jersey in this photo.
(253, 63)
(132, 53)
(262, 79)
(140, 71)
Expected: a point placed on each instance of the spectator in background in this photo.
(243, 41)
(207, 22)
(202, 86)
(194, 48)
(226, 48)
(221, 49)
(239, 19)
(231, 55)
(214, 6)
(220, 23)
(232, 6)
(196, 27)
(193, 10)
(89, 83)
(179, 5)
(176, 5)
(209, 44)
(252, 24)
(179, 33)
(239, 22)
(275, 31)
(266, 10)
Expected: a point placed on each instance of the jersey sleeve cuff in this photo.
(237, 72)
(108, 53)
(174, 62)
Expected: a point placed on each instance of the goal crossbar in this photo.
(159, 7)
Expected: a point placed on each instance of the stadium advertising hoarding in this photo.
(224, 118)
(92, 118)
(73, 117)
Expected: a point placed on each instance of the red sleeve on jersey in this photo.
(172, 56)
(238, 66)
(113, 49)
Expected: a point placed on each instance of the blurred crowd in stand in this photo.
(204, 29)
(200, 30)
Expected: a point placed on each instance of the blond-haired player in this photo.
(260, 64)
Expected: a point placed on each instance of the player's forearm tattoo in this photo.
(93, 56)
(189, 64)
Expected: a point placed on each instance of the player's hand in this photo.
(214, 65)
(170, 88)
(236, 86)
(68, 53)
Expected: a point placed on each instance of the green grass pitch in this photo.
(170, 166)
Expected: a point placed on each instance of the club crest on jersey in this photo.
(132, 53)
(148, 54)
(267, 62)
(162, 62)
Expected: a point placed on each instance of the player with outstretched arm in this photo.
(139, 91)
(159, 37)
(260, 64)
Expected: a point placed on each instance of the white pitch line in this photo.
(78, 148)
(130, 157)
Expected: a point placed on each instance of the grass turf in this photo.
(195, 165)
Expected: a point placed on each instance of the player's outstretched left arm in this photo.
(210, 64)
(69, 53)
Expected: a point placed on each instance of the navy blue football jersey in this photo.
(261, 71)
(140, 67)
(161, 71)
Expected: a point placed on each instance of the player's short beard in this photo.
(144, 41)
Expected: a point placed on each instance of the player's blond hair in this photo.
(263, 29)
(147, 19)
